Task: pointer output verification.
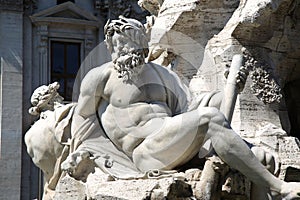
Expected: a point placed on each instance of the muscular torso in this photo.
(128, 110)
(148, 88)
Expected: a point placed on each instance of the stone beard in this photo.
(127, 42)
(128, 65)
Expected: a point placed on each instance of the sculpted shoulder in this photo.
(97, 75)
(164, 71)
(101, 71)
(95, 80)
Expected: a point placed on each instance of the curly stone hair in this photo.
(45, 98)
(129, 28)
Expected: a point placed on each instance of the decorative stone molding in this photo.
(11, 5)
(82, 26)
(89, 43)
(113, 9)
(30, 4)
(83, 18)
(42, 32)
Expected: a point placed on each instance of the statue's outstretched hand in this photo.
(241, 78)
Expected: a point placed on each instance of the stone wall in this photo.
(11, 79)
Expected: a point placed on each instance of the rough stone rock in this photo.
(289, 155)
(69, 189)
(236, 186)
(267, 30)
(204, 36)
(175, 187)
(125, 189)
(102, 186)
(184, 27)
(191, 185)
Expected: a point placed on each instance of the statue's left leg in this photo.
(234, 151)
(175, 140)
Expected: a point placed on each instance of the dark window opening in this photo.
(292, 99)
(62, 1)
(65, 62)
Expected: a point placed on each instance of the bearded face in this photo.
(127, 42)
(128, 65)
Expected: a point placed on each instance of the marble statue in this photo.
(46, 138)
(135, 118)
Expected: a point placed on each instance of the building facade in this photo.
(43, 41)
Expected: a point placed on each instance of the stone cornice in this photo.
(11, 5)
(49, 16)
(55, 20)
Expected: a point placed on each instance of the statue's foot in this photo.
(79, 165)
(290, 191)
(73, 160)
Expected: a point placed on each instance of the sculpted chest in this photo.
(122, 94)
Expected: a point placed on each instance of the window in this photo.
(65, 62)
(62, 1)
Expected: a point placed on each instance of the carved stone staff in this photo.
(208, 187)
(231, 90)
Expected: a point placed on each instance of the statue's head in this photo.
(127, 42)
(45, 98)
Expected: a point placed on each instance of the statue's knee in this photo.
(140, 159)
(217, 117)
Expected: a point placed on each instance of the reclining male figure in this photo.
(144, 110)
